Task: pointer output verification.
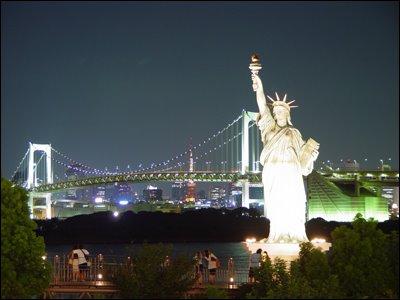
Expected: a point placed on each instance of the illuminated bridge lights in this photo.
(206, 176)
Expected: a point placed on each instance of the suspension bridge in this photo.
(228, 155)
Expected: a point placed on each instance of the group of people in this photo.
(78, 259)
(206, 259)
(255, 262)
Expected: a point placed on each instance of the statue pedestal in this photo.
(287, 252)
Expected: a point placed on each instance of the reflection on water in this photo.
(223, 251)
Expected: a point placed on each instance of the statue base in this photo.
(286, 251)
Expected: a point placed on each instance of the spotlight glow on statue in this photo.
(285, 159)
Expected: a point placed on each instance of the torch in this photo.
(254, 67)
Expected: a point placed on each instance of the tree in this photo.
(311, 276)
(271, 280)
(24, 274)
(361, 258)
(393, 254)
(153, 274)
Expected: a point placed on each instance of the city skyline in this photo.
(111, 83)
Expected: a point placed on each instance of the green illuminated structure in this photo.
(336, 202)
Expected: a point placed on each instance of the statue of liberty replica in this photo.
(285, 158)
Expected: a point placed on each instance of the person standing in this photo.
(75, 267)
(73, 261)
(83, 256)
(255, 260)
(213, 264)
(198, 258)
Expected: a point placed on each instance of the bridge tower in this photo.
(40, 201)
(32, 181)
(247, 117)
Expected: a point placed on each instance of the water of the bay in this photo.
(224, 251)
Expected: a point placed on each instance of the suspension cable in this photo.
(15, 172)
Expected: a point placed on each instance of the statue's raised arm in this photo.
(261, 100)
(265, 121)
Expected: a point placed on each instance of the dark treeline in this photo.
(205, 225)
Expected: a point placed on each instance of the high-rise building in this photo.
(152, 193)
(123, 194)
(201, 195)
(217, 193)
(178, 191)
(100, 194)
(74, 172)
(236, 195)
(111, 191)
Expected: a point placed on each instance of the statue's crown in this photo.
(283, 103)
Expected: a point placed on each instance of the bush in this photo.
(213, 292)
(151, 276)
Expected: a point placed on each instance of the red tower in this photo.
(191, 185)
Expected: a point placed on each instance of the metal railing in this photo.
(101, 268)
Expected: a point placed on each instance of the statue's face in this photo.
(281, 115)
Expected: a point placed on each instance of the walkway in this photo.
(98, 279)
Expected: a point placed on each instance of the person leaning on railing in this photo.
(84, 264)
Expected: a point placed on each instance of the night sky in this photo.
(117, 83)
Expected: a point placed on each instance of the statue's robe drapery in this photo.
(284, 193)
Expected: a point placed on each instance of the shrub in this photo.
(151, 276)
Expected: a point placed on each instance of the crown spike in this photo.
(293, 106)
(277, 97)
(291, 102)
(284, 98)
(270, 98)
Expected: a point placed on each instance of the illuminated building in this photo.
(123, 193)
(74, 172)
(201, 194)
(178, 191)
(152, 193)
(392, 196)
(394, 209)
(335, 202)
(217, 193)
